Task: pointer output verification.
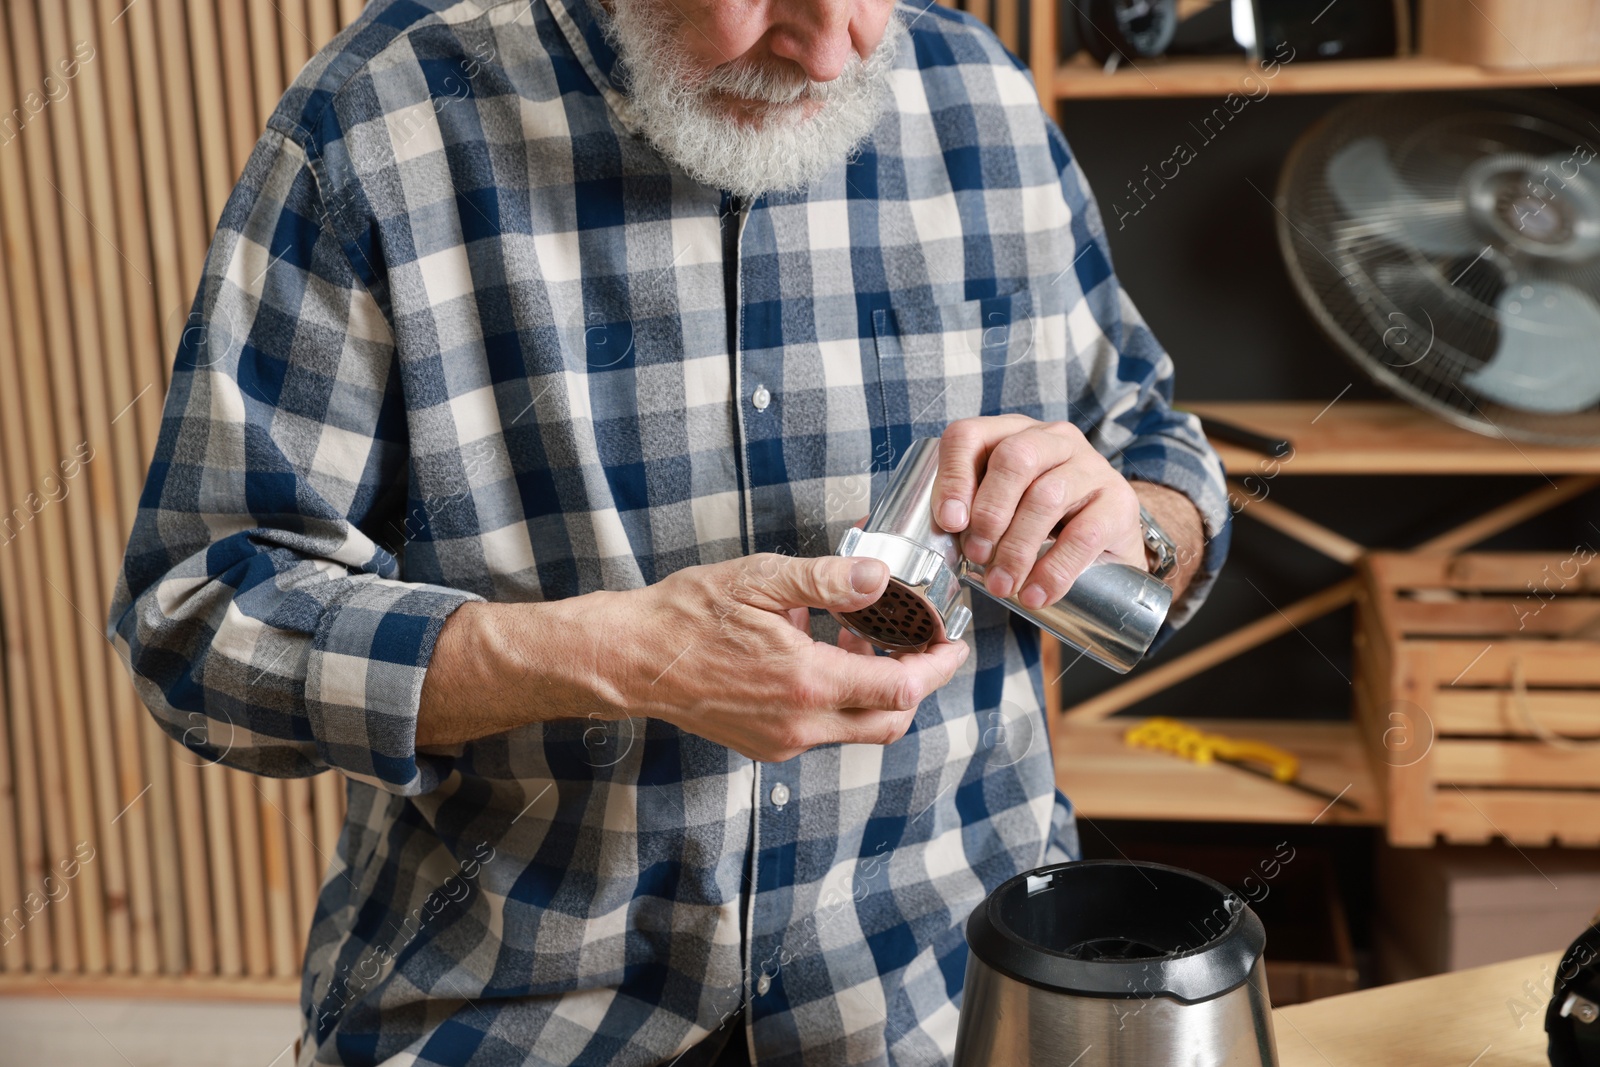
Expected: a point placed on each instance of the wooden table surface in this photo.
(1484, 1017)
(1380, 437)
(1106, 779)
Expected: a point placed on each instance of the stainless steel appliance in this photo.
(1111, 613)
(1114, 964)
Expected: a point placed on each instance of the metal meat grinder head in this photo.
(1111, 613)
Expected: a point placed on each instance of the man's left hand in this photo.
(1007, 483)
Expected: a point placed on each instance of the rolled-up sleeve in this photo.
(1121, 391)
(259, 607)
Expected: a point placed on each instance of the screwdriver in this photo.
(1197, 746)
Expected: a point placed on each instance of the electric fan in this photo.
(1450, 246)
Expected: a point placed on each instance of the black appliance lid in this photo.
(1111, 928)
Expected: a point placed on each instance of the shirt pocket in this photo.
(941, 362)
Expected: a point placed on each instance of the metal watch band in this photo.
(1163, 554)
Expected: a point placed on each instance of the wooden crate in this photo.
(1510, 34)
(1477, 688)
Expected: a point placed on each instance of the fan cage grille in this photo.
(1419, 342)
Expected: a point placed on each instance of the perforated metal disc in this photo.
(900, 619)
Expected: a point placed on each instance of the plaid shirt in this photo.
(462, 335)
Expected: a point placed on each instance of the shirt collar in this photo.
(580, 24)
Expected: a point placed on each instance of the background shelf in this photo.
(1080, 78)
(1106, 779)
(1381, 437)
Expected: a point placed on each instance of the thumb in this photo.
(833, 583)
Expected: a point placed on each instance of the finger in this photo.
(1130, 548)
(963, 448)
(898, 682)
(1100, 523)
(1054, 494)
(856, 644)
(775, 582)
(882, 726)
(1013, 466)
(832, 726)
(800, 619)
(866, 726)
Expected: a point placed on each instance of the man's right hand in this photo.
(725, 651)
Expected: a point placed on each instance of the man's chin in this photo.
(777, 151)
(759, 115)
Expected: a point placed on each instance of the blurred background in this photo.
(1408, 611)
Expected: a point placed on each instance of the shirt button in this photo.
(780, 795)
(761, 398)
(763, 984)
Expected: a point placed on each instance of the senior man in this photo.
(543, 354)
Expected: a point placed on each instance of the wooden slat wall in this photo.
(123, 127)
(1003, 15)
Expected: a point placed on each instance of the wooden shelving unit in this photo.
(1080, 78)
(1108, 780)
(1104, 778)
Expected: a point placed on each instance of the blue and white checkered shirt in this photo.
(462, 335)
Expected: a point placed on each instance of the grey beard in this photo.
(785, 150)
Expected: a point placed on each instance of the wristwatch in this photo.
(1160, 552)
